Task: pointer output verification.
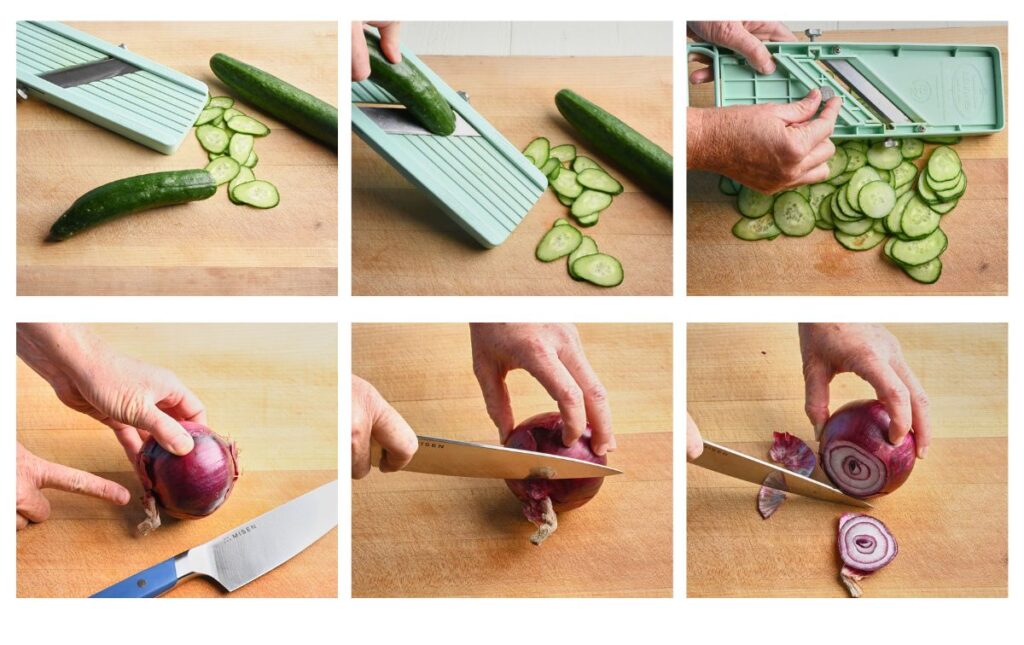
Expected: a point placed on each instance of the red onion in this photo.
(865, 546)
(191, 486)
(792, 454)
(542, 497)
(856, 454)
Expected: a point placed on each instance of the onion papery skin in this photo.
(190, 486)
(856, 454)
(542, 497)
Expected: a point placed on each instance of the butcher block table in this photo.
(426, 535)
(949, 519)
(717, 263)
(211, 247)
(404, 244)
(270, 388)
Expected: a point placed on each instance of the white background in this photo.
(873, 621)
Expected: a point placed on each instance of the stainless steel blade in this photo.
(89, 72)
(438, 456)
(396, 120)
(867, 91)
(736, 464)
(248, 551)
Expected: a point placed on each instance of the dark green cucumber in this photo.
(633, 152)
(131, 195)
(412, 88)
(279, 99)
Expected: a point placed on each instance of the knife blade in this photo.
(736, 464)
(871, 95)
(91, 72)
(244, 553)
(439, 456)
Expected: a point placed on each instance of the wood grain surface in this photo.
(212, 247)
(975, 263)
(949, 519)
(402, 244)
(271, 388)
(422, 535)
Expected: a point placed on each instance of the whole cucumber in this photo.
(279, 99)
(640, 157)
(412, 88)
(131, 195)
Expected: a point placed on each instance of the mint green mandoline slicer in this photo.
(107, 85)
(888, 90)
(480, 179)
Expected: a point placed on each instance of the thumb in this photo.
(802, 110)
(166, 431)
(816, 383)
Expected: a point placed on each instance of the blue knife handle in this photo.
(148, 583)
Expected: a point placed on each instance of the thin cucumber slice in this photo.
(587, 247)
(223, 102)
(878, 225)
(589, 220)
(247, 125)
(927, 273)
(590, 201)
(209, 114)
(566, 201)
(561, 221)
(600, 269)
(917, 252)
(905, 188)
(244, 175)
(884, 158)
(595, 179)
(892, 221)
(857, 144)
(918, 220)
(846, 212)
(911, 148)
(258, 193)
(948, 140)
(885, 175)
(818, 194)
(565, 184)
(855, 157)
(728, 186)
(904, 174)
(944, 164)
(942, 185)
(803, 190)
(555, 172)
(240, 147)
(793, 214)
(212, 138)
(252, 160)
(858, 227)
(877, 199)
(231, 112)
(861, 178)
(754, 204)
(213, 155)
(862, 242)
(751, 230)
(581, 163)
(564, 153)
(836, 163)
(223, 169)
(549, 167)
(943, 208)
(955, 192)
(558, 242)
(925, 191)
(841, 180)
(538, 150)
(823, 217)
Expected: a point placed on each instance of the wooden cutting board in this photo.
(212, 247)
(949, 519)
(717, 263)
(422, 535)
(271, 388)
(403, 244)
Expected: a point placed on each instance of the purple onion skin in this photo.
(866, 424)
(543, 433)
(194, 485)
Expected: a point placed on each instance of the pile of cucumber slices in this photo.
(874, 193)
(229, 136)
(586, 189)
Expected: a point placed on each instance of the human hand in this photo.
(35, 474)
(744, 37)
(374, 418)
(133, 398)
(694, 443)
(874, 354)
(388, 46)
(553, 355)
(767, 147)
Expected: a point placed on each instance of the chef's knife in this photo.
(438, 456)
(244, 553)
(736, 464)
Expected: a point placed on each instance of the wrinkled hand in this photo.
(133, 398)
(35, 474)
(388, 46)
(694, 443)
(744, 37)
(553, 355)
(874, 354)
(767, 147)
(374, 418)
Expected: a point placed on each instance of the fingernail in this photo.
(769, 68)
(924, 452)
(182, 444)
(600, 449)
(613, 444)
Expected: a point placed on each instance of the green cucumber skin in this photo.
(412, 88)
(635, 153)
(131, 195)
(279, 99)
